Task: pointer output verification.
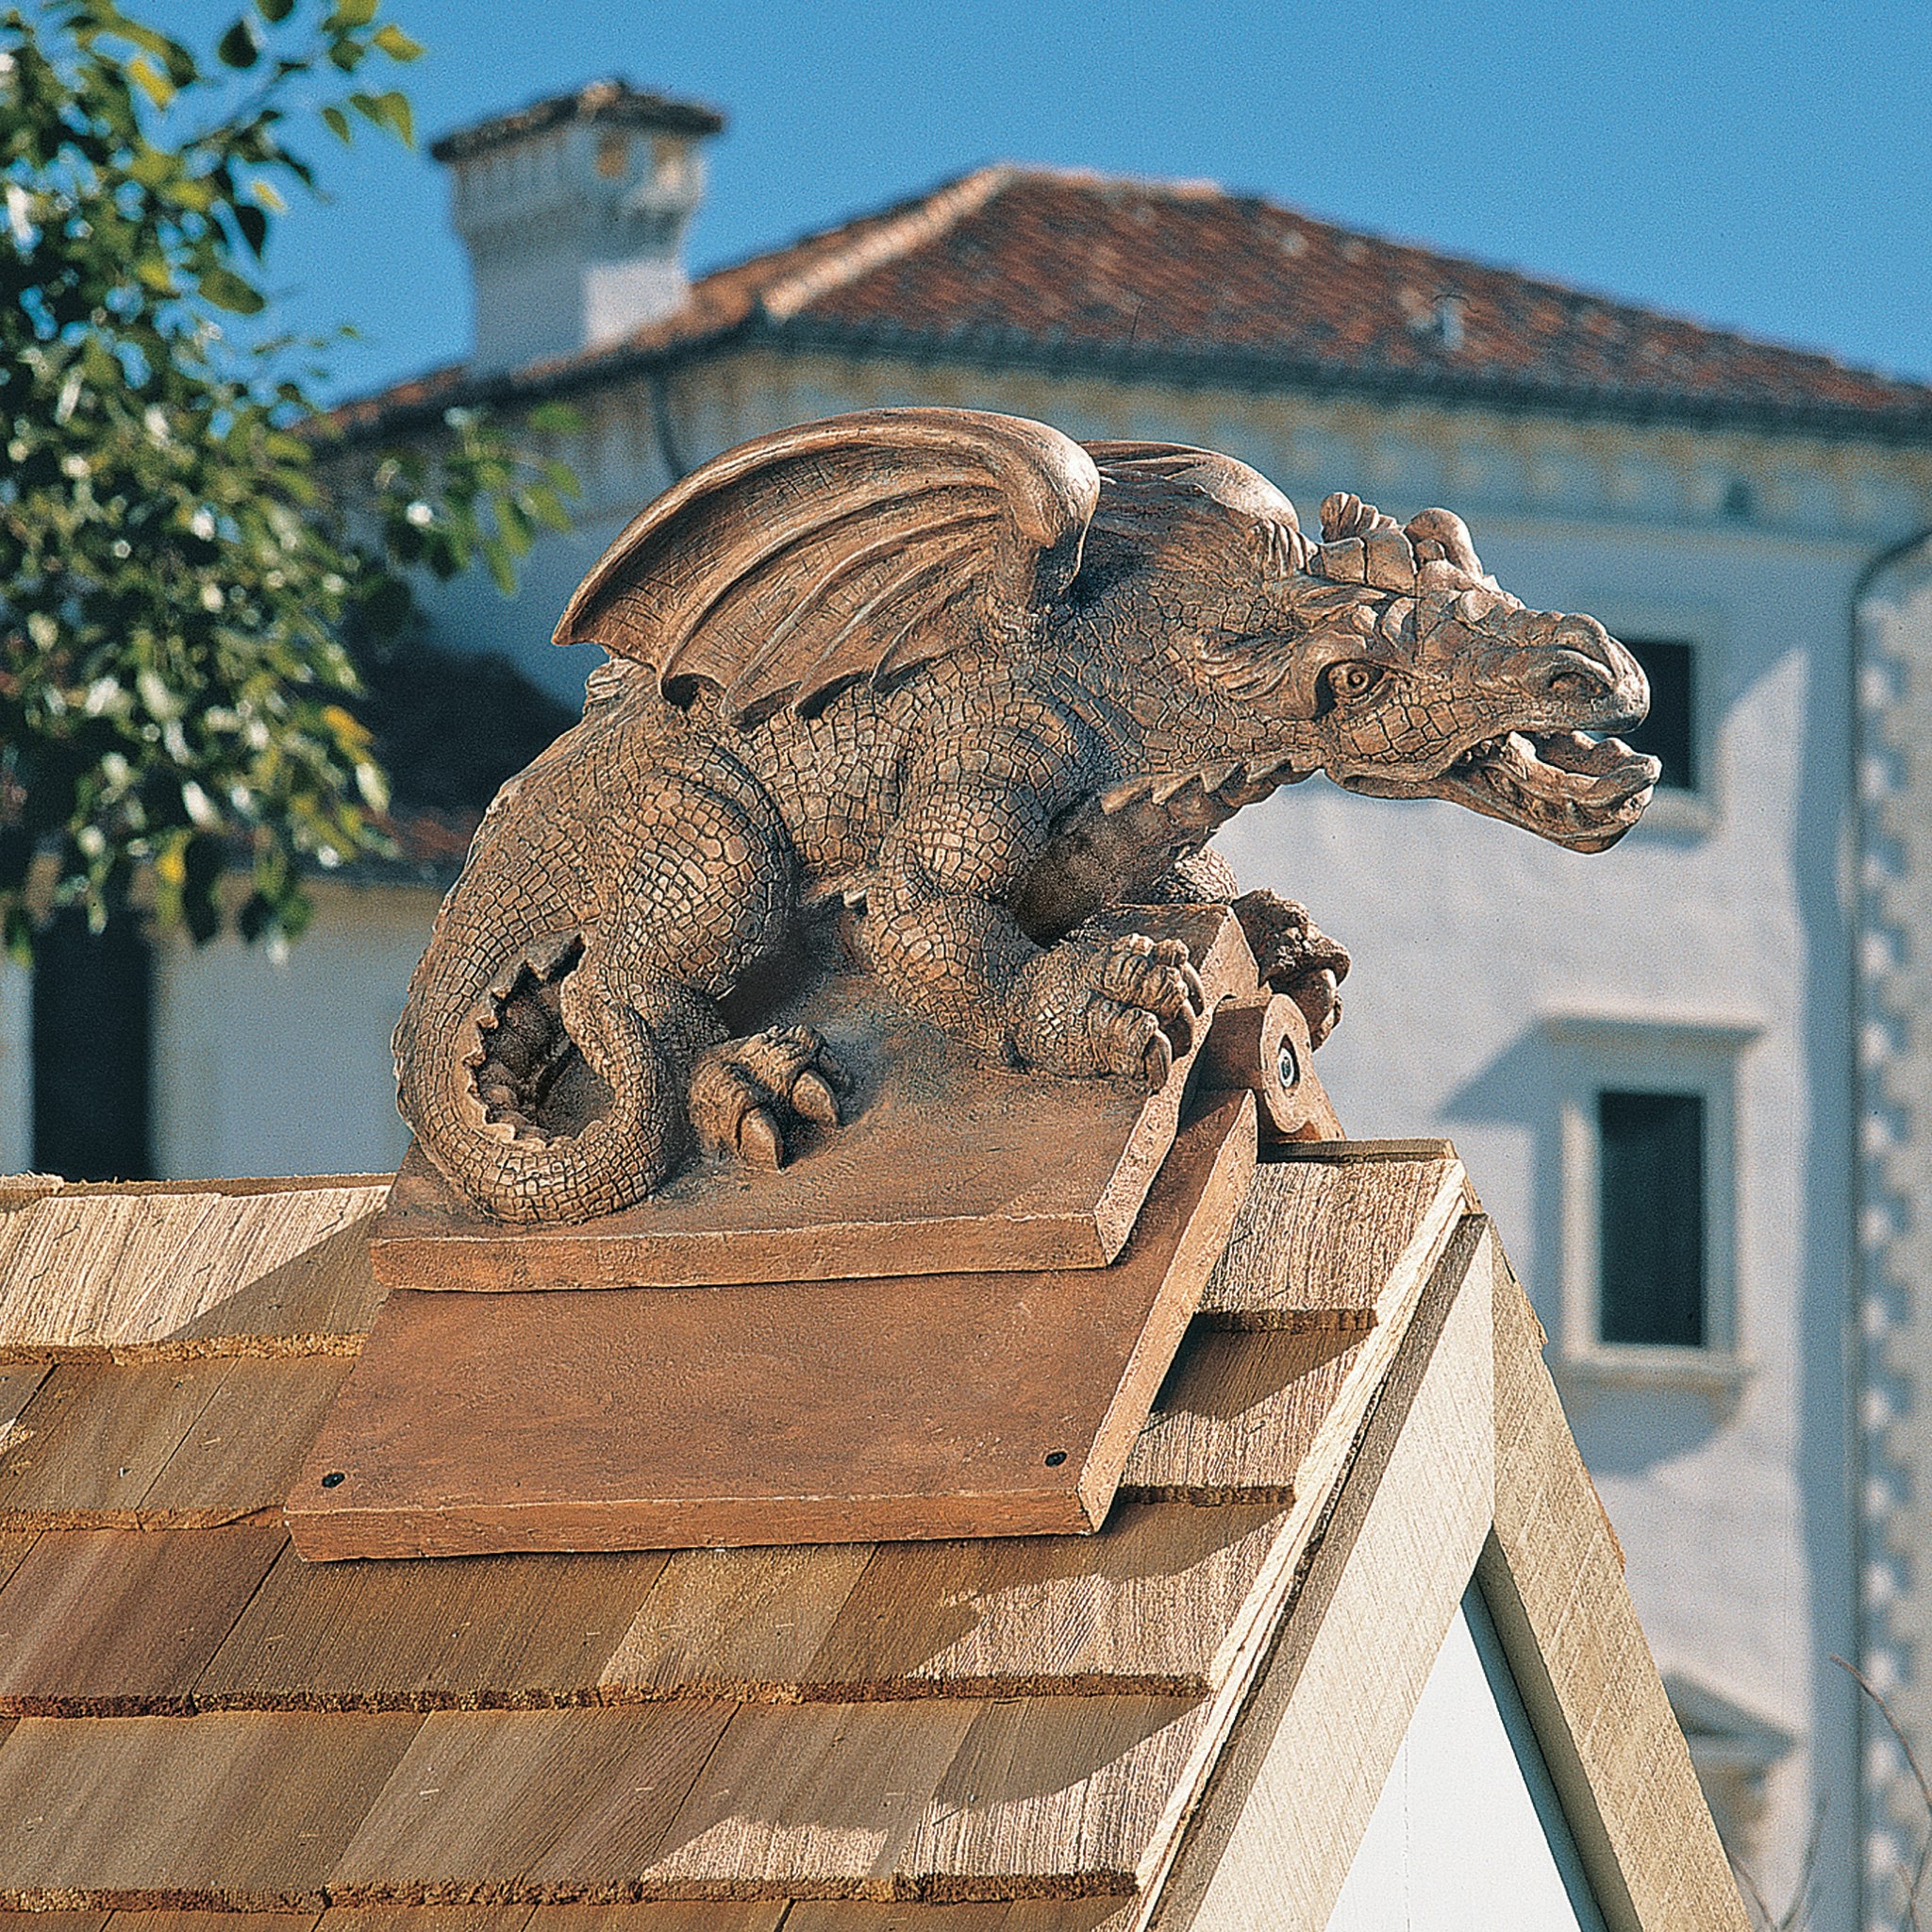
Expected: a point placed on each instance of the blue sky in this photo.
(1767, 167)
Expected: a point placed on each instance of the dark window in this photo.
(1650, 1233)
(1670, 732)
(93, 995)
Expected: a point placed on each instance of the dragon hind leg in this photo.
(746, 1093)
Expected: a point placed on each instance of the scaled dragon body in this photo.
(974, 680)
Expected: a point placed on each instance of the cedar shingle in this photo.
(1237, 1414)
(188, 1810)
(181, 1269)
(474, 1630)
(107, 1622)
(1284, 1266)
(1148, 1599)
(499, 1800)
(107, 1444)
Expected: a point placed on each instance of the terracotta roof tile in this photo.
(1021, 263)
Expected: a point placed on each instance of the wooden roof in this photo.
(1037, 1735)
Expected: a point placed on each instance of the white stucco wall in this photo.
(270, 1067)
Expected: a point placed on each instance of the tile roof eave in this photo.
(1258, 370)
(360, 423)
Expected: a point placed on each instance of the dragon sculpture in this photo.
(974, 681)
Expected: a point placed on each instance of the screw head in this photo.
(1054, 1457)
(334, 1479)
(1287, 1064)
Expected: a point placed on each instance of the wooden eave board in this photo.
(946, 1165)
(1465, 1466)
(1324, 1241)
(1063, 1650)
(927, 1405)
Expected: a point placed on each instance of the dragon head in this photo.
(1383, 656)
(1437, 683)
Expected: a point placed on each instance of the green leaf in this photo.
(226, 290)
(254, 226)
(238, 46)
(395, 111)
(350, 14)
(548, 507)
(338, 123)
(275, 11)
(396, 44)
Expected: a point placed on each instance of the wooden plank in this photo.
(947, 1164)
(247, 1442)
(982, 1404)
(496, 1630)
(1067, 1792)
(152, 1921)
(989, 1915)
(244, 1811)
(484, 1800)
(1145, 1606)
(1323, 1242)
(176, 1270)
(818, 1796)
(713, 1915)
(735, 1621)
(1554, 1582)
(108, 1621)
(113, 1446)
(52, 1922)
(14, 1545)
(1236, 1416)
(1058, 1792)
(425, 1918)
(18, 1381)
(94, 1438)
(103, 1623)
(1400, 1535)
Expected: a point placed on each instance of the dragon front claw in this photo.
(1151, 1003)
(1297, 958)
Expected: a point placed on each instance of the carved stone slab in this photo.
(945, 1165)
(929, 1406)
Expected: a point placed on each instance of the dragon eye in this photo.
(1349, 682)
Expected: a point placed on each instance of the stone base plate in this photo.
(945, 1164)
(929, 1406)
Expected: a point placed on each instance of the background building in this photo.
(1649, 1059)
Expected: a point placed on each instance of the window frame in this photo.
(1647, 1054)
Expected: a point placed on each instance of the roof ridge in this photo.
(924, 219)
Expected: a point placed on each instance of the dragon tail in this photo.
(542, 1098)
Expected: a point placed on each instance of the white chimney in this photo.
(574, 211)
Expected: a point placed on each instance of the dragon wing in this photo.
(855, 547)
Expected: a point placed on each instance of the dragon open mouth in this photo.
(1581, 791)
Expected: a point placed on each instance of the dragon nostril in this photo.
(1575, 676)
